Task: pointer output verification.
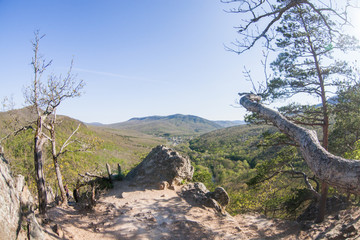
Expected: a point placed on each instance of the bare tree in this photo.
(260, 18)
(56, 154)
(45, 97)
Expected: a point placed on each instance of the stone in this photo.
(163, 185)
(198, 193)
(220, 195)
(50, 196)
(10, 212)
(35, 230)
(16, 208)
(161, 164)
(57, 229)
(25, 197)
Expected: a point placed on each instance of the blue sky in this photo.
(138, 58)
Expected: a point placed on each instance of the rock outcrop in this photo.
(162, 164)
(16, 208)
(199, 194)
(10, 204)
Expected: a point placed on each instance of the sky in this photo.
(137, 58)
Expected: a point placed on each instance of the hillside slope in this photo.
(113, 146)
(173, 125)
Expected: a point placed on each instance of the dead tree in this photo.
(45, 98)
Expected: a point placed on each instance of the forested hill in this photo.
(111, 146)
(173, 125)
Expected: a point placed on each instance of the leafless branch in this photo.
(306, 180)
(67, 142)
(16, 132)
(260, 17)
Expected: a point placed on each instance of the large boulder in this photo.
(16, 208)
(161, 164)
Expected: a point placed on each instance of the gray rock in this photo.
(198, 193)
(50, 196)
(161, 164)
(35, 230)
(16, 208)
(10, 204)
(220, 195)
(25, 197)
(163, 185)
(58, 230)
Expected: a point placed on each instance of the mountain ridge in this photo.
(171, 125)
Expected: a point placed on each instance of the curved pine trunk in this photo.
(336, 171)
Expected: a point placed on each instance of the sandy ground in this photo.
(135, 213)
(344, 224)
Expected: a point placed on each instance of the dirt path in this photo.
(134, 213)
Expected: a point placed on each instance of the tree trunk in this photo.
(109, 172)
(333, 170)
(322, 203)
(39, 164)
(120, 177)
(64, 201)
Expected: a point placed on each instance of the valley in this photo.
(237, 158)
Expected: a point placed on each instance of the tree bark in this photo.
(39, 164)
(333, 170)
(322, 203)
(109, 172)
(64, 199)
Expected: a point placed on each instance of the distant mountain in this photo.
(97, 124)
(173, 125)
(226, 124)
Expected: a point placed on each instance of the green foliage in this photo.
(304, 65)
(286, 156)
(202, 174)
(298, 198)
(310, 115)
(259, 167)
(355, 152)
(268, 198)
(242, 159)
(235, 143)
(110, 146)
(19, 151)
(305, 54)
(346, 130)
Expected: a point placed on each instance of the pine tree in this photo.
(305, 65)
